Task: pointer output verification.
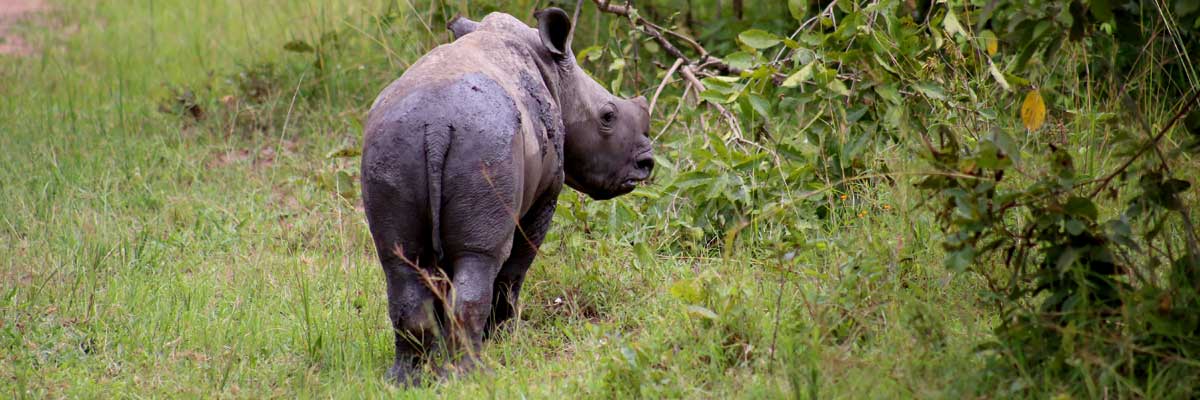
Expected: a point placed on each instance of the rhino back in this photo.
(501, 56)
(501, 48)
(471, 114)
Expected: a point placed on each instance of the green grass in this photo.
(146, 254)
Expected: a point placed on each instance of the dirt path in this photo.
(10, 12)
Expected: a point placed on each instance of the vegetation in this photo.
(881, 198)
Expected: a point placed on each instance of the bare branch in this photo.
(656, 32)
(666, 79)
(1183, 111)
(619, 10)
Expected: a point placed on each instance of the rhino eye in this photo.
(608, 117)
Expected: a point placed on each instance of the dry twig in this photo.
(666, 79)
(689, 73)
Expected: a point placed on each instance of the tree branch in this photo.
(1187, 106)
(666, 79)
(655, 31)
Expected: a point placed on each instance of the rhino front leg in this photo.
(526, 243)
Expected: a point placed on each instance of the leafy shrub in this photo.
(1055, 166)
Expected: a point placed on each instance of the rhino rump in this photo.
(444, 154)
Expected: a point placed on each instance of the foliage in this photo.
(1093, 268)
(184, 182)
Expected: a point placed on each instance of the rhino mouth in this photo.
(638, 175)
(611, 187)
(629, 184)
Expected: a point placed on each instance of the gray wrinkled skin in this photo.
(477, 137)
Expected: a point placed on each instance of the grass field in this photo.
(172, 225)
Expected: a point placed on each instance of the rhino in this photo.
(464, 156)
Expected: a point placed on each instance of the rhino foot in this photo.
(404, 375)
(466, 365)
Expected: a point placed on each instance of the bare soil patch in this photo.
(12, 11)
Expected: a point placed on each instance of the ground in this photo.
(178, 218)
(11, 12)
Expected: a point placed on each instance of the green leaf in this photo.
(1173, 186)
(740, 60)
(991, 157)
(298, 46)
(591, 53)
(701, 312)
(1041, 28)
(713, 96)
(796, 8)
(717, 85)
(886, 65)
(1102, 10)
(344, 152)
(1120, 232)
(759, 39)
(1074, 227)
(931, 90)
(1006, 144)
(1082, 207)
(959, 260)
(760, 105)
(953, 27)
(801, 75)
(888, 92)
(689, 291)
(346, 186)
(838, 87)
(645, 256)
(617, 64)
(1016, 80)
(1182, 8)
(894, 117)
(650, 46)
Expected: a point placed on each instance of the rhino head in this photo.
(607, 149)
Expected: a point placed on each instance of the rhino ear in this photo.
(641, 102)
(554, 27)
(461, 26)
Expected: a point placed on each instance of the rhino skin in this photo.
(463, 160)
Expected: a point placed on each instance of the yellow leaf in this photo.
(990, 43)
(1033, 111)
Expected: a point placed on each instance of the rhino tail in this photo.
(437, 144)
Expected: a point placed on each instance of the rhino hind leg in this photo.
(473, 277)
(415, 312)
(406, 254)
(526, 242)
(476, 245)
(414, 309)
